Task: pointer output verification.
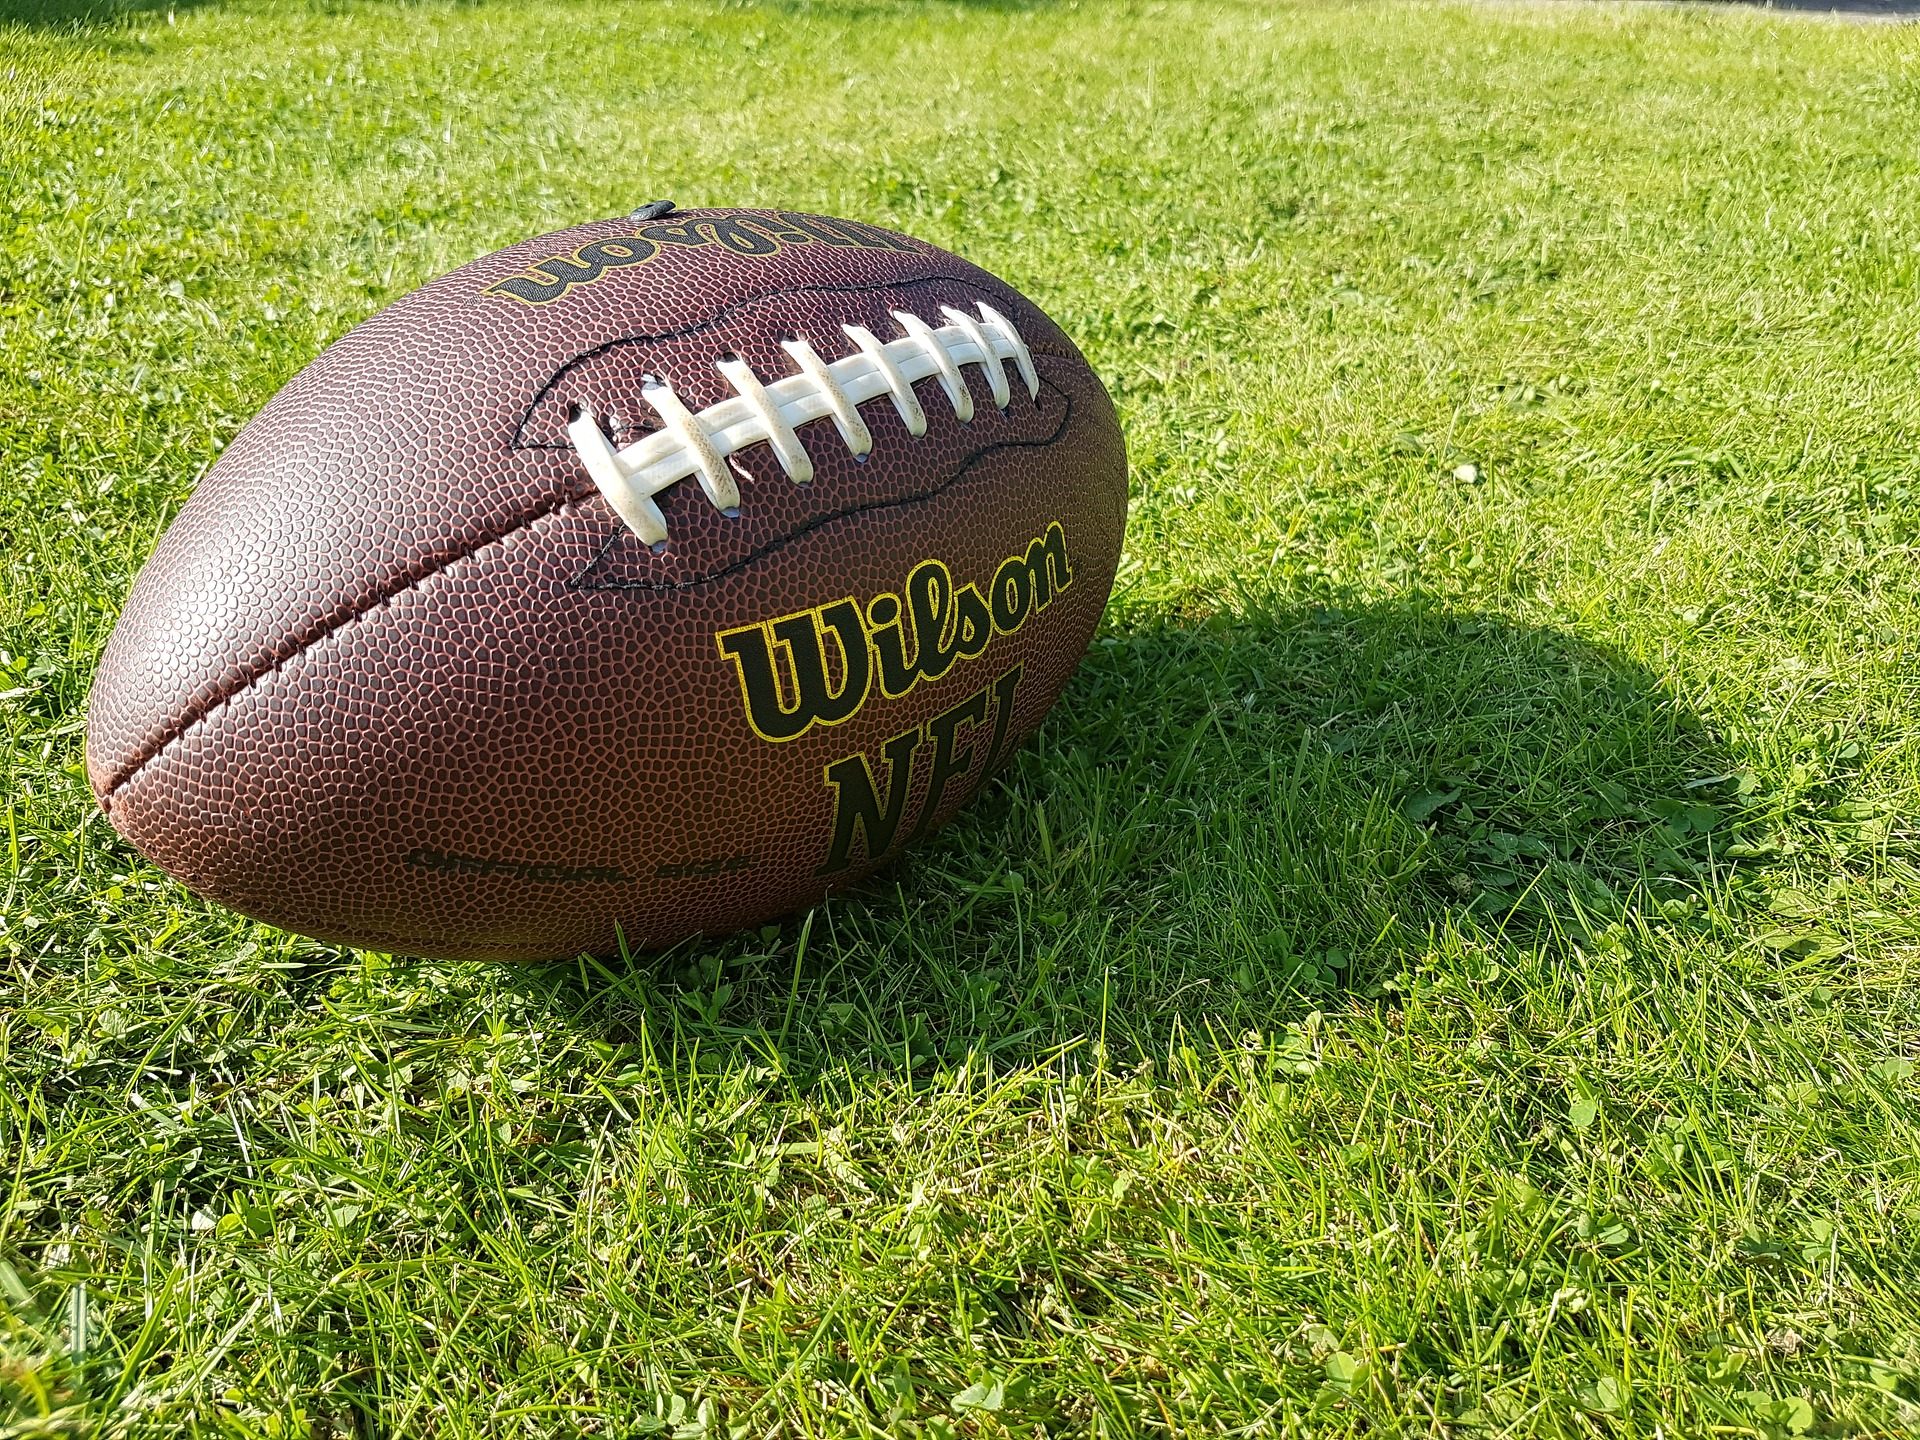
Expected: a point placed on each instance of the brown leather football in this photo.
(645, 580)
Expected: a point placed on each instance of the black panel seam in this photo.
(131, 771)
(145, 757)
(719, 317)
(620, 531)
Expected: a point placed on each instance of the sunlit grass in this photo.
(1449, 963)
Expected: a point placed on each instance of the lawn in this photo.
(1451, 964)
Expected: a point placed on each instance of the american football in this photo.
(645, 580)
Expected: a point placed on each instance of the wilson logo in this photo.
(870, 803)
(819, 666)
(750, 235)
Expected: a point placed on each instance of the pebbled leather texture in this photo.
(398, 677)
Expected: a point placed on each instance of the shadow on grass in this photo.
(1225, 825)
(71, 14)
(81, 14)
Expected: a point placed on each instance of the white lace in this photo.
(690, 444)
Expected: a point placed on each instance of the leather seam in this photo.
(152, 752)
(520, 442)
(131, 771)
(580, 580)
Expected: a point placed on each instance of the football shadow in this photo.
(1225, 825)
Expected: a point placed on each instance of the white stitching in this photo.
(697, 445)
(643, 517)
(786, 445)
(996, 374)
(691, 431)
(951, 380)
(898, 385)
(1022, 356)
(846, 415)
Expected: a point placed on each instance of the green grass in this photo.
(1449, 968)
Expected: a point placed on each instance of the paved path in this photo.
(1866, 10)
(1850, 9)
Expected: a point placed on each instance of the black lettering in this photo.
(930, 604)
(805, 639)
(844, 232)
(443, 864)
(751, 650)
(740, 238)
(1047, 562)
(684, 232)
(949, 760)
(792, 679)
(690, 869)
(530, 288)
(802, 640)
(568, 270)
(785, 233)
(857, 807)
(973, 624)
(604, 253)
(1003, 689)
(885, 631)
(1011, 594)
(869, 237)
(550, 279)
(820, 229)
